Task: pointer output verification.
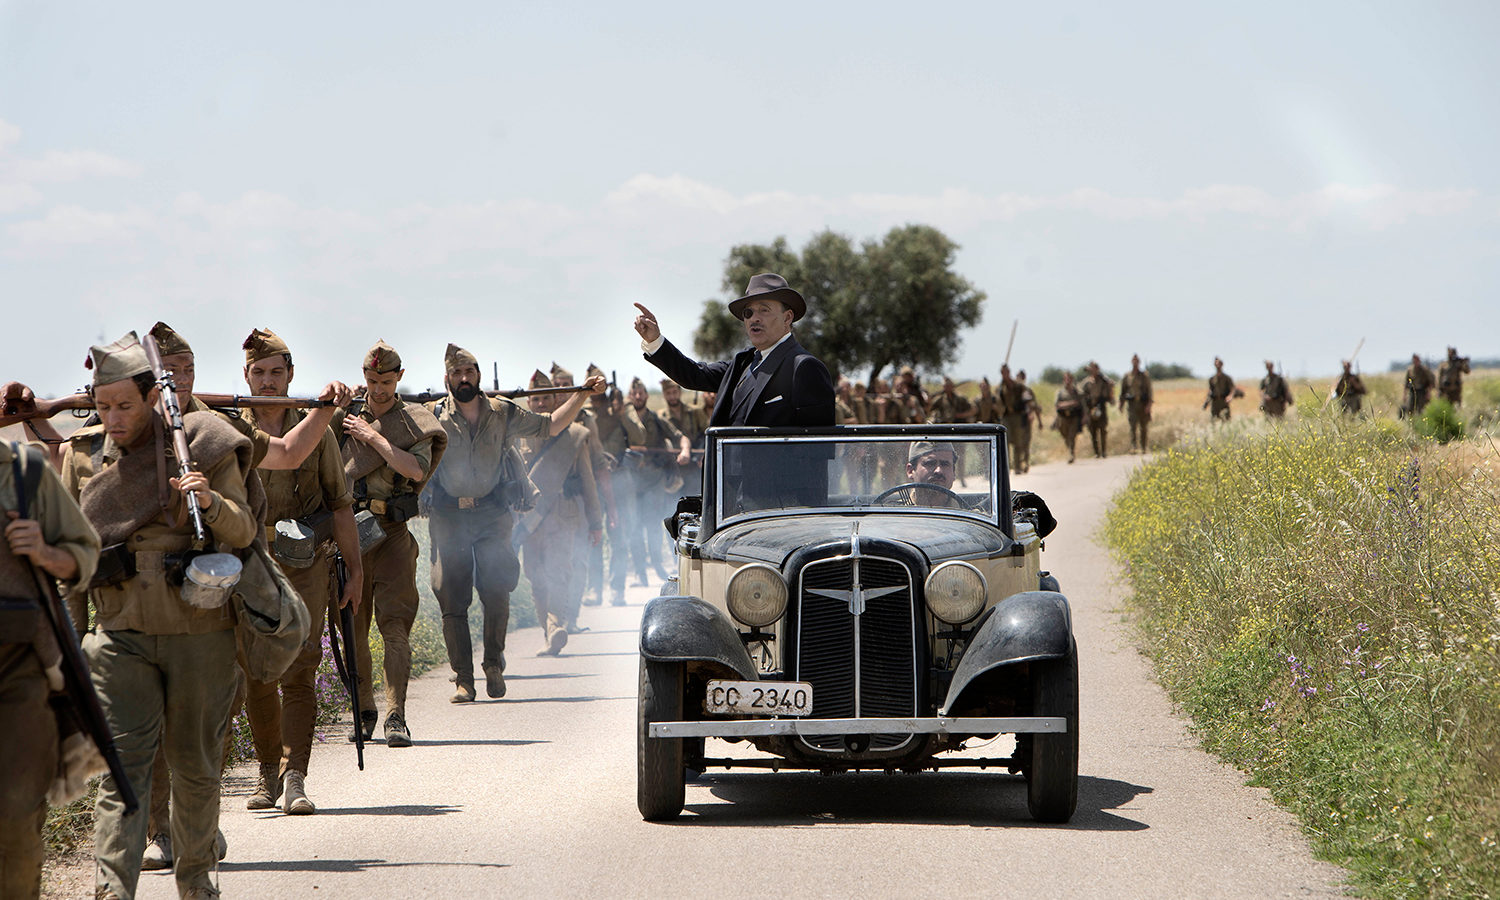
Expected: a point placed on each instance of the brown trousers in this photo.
(471, 550)
(552, 552)
(390, 601)
(282, 723)
(28, 761)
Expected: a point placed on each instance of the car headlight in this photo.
(756, 595)
(955, 592)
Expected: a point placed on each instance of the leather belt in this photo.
(467, 502)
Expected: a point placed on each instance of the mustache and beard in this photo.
(463, 392)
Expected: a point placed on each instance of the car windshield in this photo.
(944, 474)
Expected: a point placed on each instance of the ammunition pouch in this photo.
(19, 620)
(397, 509)
(116, 566)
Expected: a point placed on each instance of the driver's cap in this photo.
(920, 449)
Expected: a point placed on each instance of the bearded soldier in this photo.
(1098, 392)
(566, 515)
(1135, 399)
(389, 448)
(55, 541)
(150, 651)
(471, 523)
(1350, 390)
(1221, 389)
(1450, 377)
(283, 714)
(1275, 396)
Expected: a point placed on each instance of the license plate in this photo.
(758, 698)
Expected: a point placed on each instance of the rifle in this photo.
(75, 669)
(429, 396)
(344, 659)
(13, 411)
(172, 412)
(1013, 326)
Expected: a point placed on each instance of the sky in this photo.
(1179, 180)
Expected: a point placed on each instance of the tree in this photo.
(887, 303)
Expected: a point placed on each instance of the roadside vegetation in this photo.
(1323, 598)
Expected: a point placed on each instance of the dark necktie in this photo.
(742, 389)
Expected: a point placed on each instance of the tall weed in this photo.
(1322, 599)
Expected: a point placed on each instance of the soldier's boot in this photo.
(592, 597)
(268, 789)
(618, 598)
(494, 681)
(158, 853)
(296, 802)
(463, 689)
(396, 732)
(368, 719)
(574, 627)
(221, 845)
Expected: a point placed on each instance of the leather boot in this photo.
(494, 681)
(296, 802)
(268, 789)
(463, 690)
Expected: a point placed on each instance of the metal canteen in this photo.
(209, 578)
(370, 532)
(295, 544)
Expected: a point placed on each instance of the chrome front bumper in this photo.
(936, 725)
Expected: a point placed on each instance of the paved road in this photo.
(535, 795)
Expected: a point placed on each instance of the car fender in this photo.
(686, 629)
(1027, 626)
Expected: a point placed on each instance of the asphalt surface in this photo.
(534, 795)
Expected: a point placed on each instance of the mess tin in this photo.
(297, 540)
(209, 578)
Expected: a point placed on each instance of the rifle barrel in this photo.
(173, 414)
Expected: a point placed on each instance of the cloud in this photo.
(57, 166)
(65, 226)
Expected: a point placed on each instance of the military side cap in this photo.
(594, 370)
(920, 449)
(168, 342)
(382, 358)
(123, 359)
(559, 372)
(456, 356)
(637, 381)
(539, 379)
(665, 382)
(261, 344)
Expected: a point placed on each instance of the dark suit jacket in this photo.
(791, 387)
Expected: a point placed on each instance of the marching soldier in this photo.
(282, 721)
(553, 531)
(1098, 394)
(389, 449)
(593, 589)
(471, 523)
(150, 652)
(1016, 418)
(1450, 377)
(1069, 419)
(862, 404)
(1136, 400)
(692, 421)
(1275, 396)
(1350, 390)
(55, 540)
(843, 401)
(657, 437)
(1417, 392)
(609, 414)
(950, 406)
(1221, 389)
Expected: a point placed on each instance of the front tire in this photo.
(660, 774)
(1052, 773)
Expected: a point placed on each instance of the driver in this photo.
(934, 463)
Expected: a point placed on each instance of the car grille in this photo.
(859, 665)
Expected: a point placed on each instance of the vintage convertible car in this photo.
(858, 598)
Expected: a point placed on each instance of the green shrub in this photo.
(1440, 422)
(1322, 599)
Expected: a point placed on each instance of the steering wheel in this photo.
(920, 485)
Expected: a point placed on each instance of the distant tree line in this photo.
(886, 303)
(1400, 365)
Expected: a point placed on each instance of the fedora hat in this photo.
(769, 286)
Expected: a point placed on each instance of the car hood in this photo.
(772, 540)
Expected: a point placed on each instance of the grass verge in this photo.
(1322, 599)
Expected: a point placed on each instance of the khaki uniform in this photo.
(615, 440)
(29, 746)
(1220, 391)
(282, 723)
(1011, 402)
(150, 651)
(1069, 419)
(1098, 393)
(390, 595)
(1135, 396)
(692, 421)
(556, 529)
(1418, 390)
(1351, 392)
(947, 408)
(1450, 380)
(470, 527)
(645, 428)
(1275, 396)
